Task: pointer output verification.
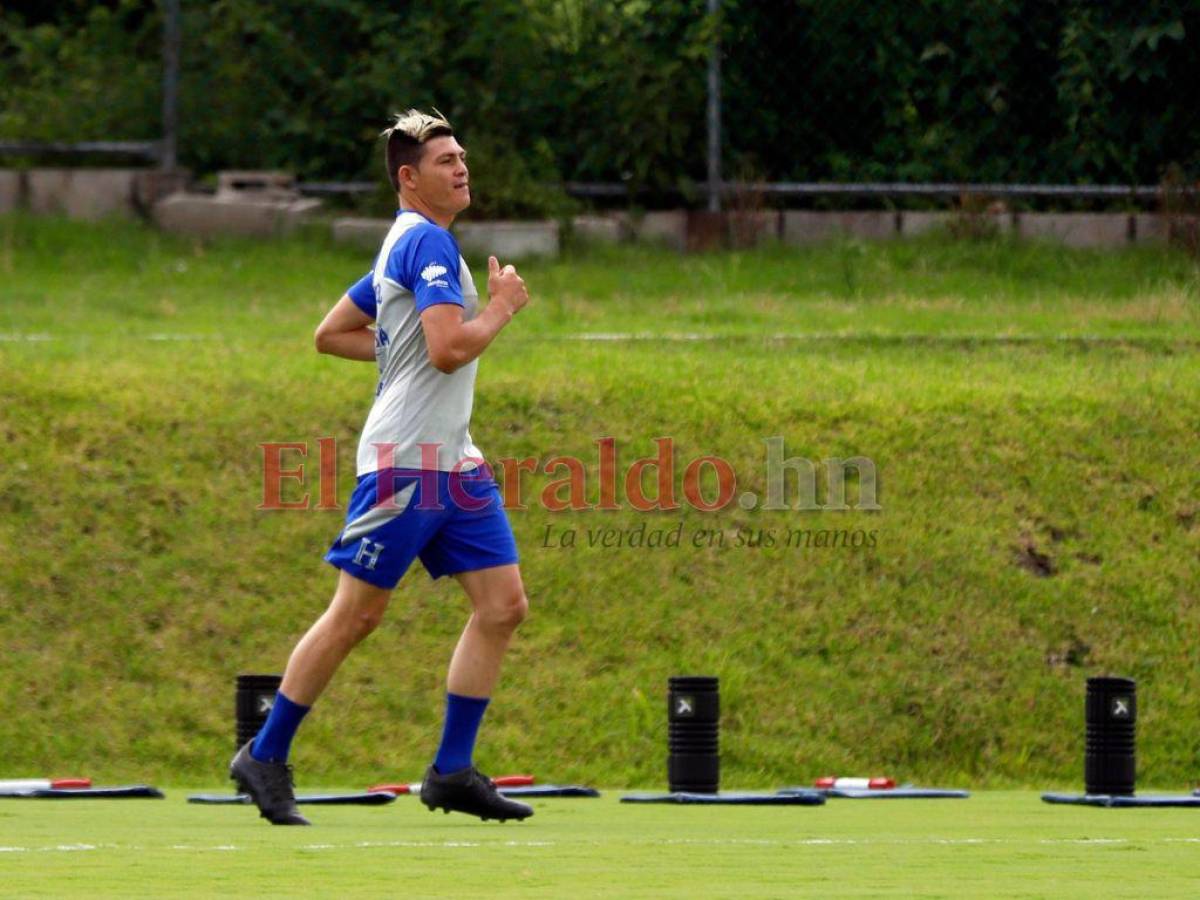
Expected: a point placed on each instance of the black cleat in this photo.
(269, 786)
(470, 791)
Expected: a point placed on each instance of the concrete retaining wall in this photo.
(610, 229)
(754, 228)
(365, 233)
(98, 193)
(10, 190)
(1150, 228)
(505, 240)
(508, 240)
(1077, 229)
(915, 223)
(88, 194)
(805, 227)
(203, 215)
(668, 228)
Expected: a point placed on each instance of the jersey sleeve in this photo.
(426, 262)
(362, 292)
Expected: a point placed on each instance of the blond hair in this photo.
(406, 138)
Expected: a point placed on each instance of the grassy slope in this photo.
(139, 577)
(993, 845)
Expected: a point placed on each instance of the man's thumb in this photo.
(493, 266)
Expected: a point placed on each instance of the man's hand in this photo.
(451, 341)
(506, 288)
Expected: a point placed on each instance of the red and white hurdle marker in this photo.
(43, 784)
(855, 784)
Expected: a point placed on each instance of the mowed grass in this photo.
(995, 844)
(1040, 515)
(122, 279)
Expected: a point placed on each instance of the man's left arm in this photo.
(344, 331)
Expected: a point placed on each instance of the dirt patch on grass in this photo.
(1033, 560)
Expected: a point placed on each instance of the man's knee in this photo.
(505, 612)
(357, 611)
(361, 622)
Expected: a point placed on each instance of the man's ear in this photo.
(404, 176)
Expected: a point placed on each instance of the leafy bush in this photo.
(546, 91)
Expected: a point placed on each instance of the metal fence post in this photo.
(714, 112)
(170, 96)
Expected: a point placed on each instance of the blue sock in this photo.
(463, 715)
(275, 739)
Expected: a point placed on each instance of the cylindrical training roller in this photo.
(254, 699)
(1110, 713)
(693, 734)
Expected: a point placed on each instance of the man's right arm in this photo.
(453, 343)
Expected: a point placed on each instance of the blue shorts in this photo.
(454, 521)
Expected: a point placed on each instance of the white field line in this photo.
(633, 337)
(666, 842)
(16, 337)
(816, 337)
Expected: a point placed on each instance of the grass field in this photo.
(1032, 412)
(995, 844)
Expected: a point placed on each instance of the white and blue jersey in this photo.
(418, 267)
(423, 490)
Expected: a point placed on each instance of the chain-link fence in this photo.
(658, 102)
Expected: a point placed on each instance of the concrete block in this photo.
(807, 227)
(48, 189)
(734, 228)
(976, 223)
(300, 212)
(508, 240)
(247, 184)
(754, 228)
(200, 214)
(918, 222)
(365, 233)
(83, 193)
(601, 229)
(1076, 229)
(153, 185)
(10, 190)
(99, 193)
(667, 227)
(1150, 228)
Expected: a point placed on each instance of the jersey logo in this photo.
(433, 273)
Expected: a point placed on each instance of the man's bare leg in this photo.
(260, 768)
(452, 782)
(356, 610)
(498, 598)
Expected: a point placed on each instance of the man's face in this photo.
(441, 179)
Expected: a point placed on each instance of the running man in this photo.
(423, 489)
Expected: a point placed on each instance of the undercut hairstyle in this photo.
(406, 139)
